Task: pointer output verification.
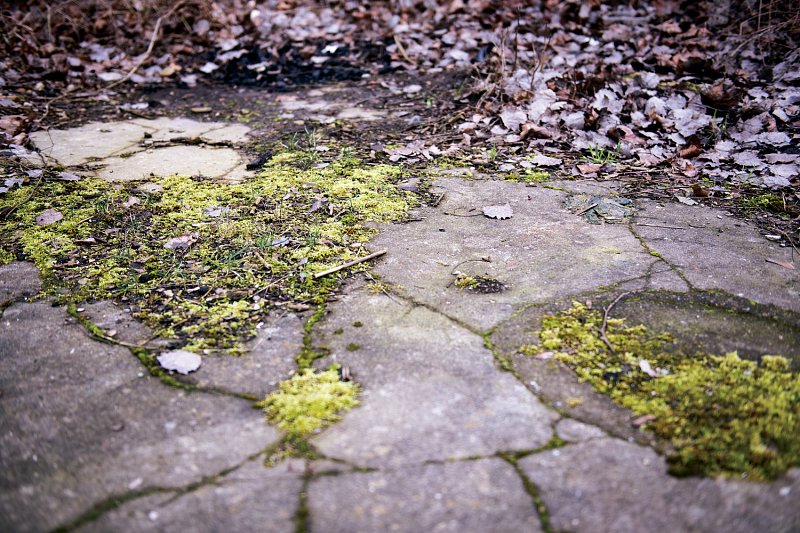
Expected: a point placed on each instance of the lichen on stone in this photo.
(721, 414)
(309, 400)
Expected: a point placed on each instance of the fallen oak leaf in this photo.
(500, 212)
(182, 242)
(51, 216)
(180, 361)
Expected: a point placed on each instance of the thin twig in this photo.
(263, 261)
(150, 46)
(349, 264)
(582, 211)
(606, 311)
(403, 50)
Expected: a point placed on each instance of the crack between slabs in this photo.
(103, 507)
(654, 253)
(145, 357)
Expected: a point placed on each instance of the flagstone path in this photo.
(454, 428)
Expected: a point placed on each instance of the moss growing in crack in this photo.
(199, 261)
(309, 400)
(722, 414)
(529, 176)
(352, 347)
(466, 282)
(479, 284)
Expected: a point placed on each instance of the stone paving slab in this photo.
(432, 391)
(171, 160)
(270, 356)
(125, 150)
(81, 421)
(718, 251)
(251, 498)
(18, 280)
(473, 496)
(542, 253)
(612, 485)
(88, 143)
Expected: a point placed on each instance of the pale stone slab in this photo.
(612, 485)
(542, 253)
(432, 391)
(716, 251)
(230, 133)
(463, 497)
(90, 142)
(167, 128)
(251, 498)
(171, 160)
(81, 421)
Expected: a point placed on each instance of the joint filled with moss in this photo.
(722, 414)
(309, 400)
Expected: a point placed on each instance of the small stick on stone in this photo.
(349, 264)
(261, 258)
(582, 211)
(606, 312)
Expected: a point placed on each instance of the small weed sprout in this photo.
(603, 156)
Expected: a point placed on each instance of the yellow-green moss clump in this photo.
(529, 176)
(308, 401)
(202, 262)
(722, 414)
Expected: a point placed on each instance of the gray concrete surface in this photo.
(90, 441)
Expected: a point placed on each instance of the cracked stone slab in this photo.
(432, 390)
(251, 498)
(716, 251)
(171, 160)
(81, 421)
(166, 128)
(470, 496)
(270, 359)
(543, 252)
(117, 150)
(18, 280)
(117, 322)
(613, 485)
(711, 323)
(715, 323)
(96, 140)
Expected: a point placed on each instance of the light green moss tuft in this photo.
(308, 401)
(722, 414)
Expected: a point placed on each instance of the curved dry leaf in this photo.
(180, 361)
(48, 217)
(500, 212)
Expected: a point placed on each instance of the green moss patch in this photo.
(529, 176)
(479, 284)
(308, 401)
(722, 414)
(202, 262)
